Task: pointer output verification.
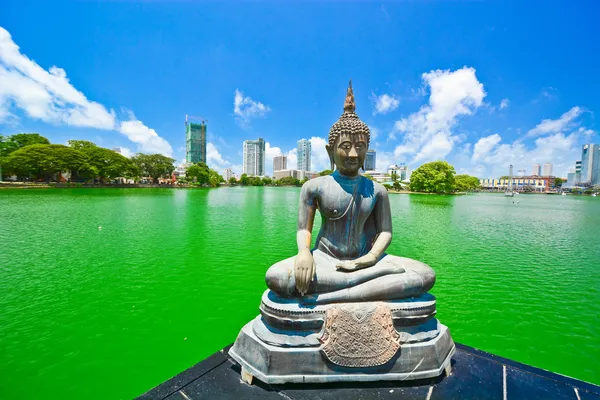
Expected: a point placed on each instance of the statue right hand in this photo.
(304, 270)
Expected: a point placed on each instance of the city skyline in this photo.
(461, 92)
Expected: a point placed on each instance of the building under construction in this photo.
(195, 141)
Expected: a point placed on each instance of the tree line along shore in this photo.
(34, 161)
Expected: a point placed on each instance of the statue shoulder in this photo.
(379, 189)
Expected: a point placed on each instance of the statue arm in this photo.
(306, 218)
(383, 223)
(304, 264)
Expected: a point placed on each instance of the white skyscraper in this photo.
(279, 163)
(228, 174)
(304, 151)
(536, 170)
(547, 170)
(254, 157)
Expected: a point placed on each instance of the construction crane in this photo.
(194, 118)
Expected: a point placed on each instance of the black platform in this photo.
(475, 375)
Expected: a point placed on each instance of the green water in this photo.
(174, 274)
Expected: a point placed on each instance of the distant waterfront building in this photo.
(520, 183)
(254, 157)
(279, 163)
(547, 169)
(294, 173)
(402, 172)
(370, 161)
(228, 174)
(379, 176)
(590, 164)
(304, 153)
(536, 170)
(195, 142)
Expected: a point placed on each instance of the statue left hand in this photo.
(365, 261)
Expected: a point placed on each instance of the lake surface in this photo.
(174, 274)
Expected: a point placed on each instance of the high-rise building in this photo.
(228, 174)
(536, 170)
(304, 151)
(547, 169)
(195, 142)
(370, 161)
(279, 163)
(590, 164)
(254, 157)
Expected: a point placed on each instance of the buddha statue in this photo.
(349, 262)
(345, 310)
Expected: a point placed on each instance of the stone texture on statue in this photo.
(345, 310)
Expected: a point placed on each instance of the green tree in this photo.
(325, 172)
(232, 180)
(288, 181)
(106, 164)
(214, 179)
(433, 177)
(199, 173)
(44, 160)
(154, 165)
(244, 180)
(256, 181)
(466, 183)
(558, 182)
(27, 139)
(81, 144)
(267, 181)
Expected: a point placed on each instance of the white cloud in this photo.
(146, 138)
(587, 132)
(374, 133)
(214, 158)
(126, 152)
(548, 126)
(50, 97)
(504, 103)
(494, 157)
(244, 108)
(428, 132)
(319, 157)
(383, 160)
(384, 103)
(484, 145)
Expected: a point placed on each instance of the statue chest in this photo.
(344, 206)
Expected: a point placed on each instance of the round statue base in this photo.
(276, 364)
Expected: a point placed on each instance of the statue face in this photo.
(349, 153)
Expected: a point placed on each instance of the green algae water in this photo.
(105, 293)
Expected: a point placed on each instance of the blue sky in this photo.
(480, 84)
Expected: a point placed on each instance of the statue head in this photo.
(348, 139)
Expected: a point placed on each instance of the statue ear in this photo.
(330, 153)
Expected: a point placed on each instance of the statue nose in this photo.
(353, 153)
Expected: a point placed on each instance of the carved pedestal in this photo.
(394, 340)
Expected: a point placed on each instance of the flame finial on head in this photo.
(349, 105)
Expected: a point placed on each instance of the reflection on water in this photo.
(173, 275)
(431, 200)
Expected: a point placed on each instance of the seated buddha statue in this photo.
(349, 262)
